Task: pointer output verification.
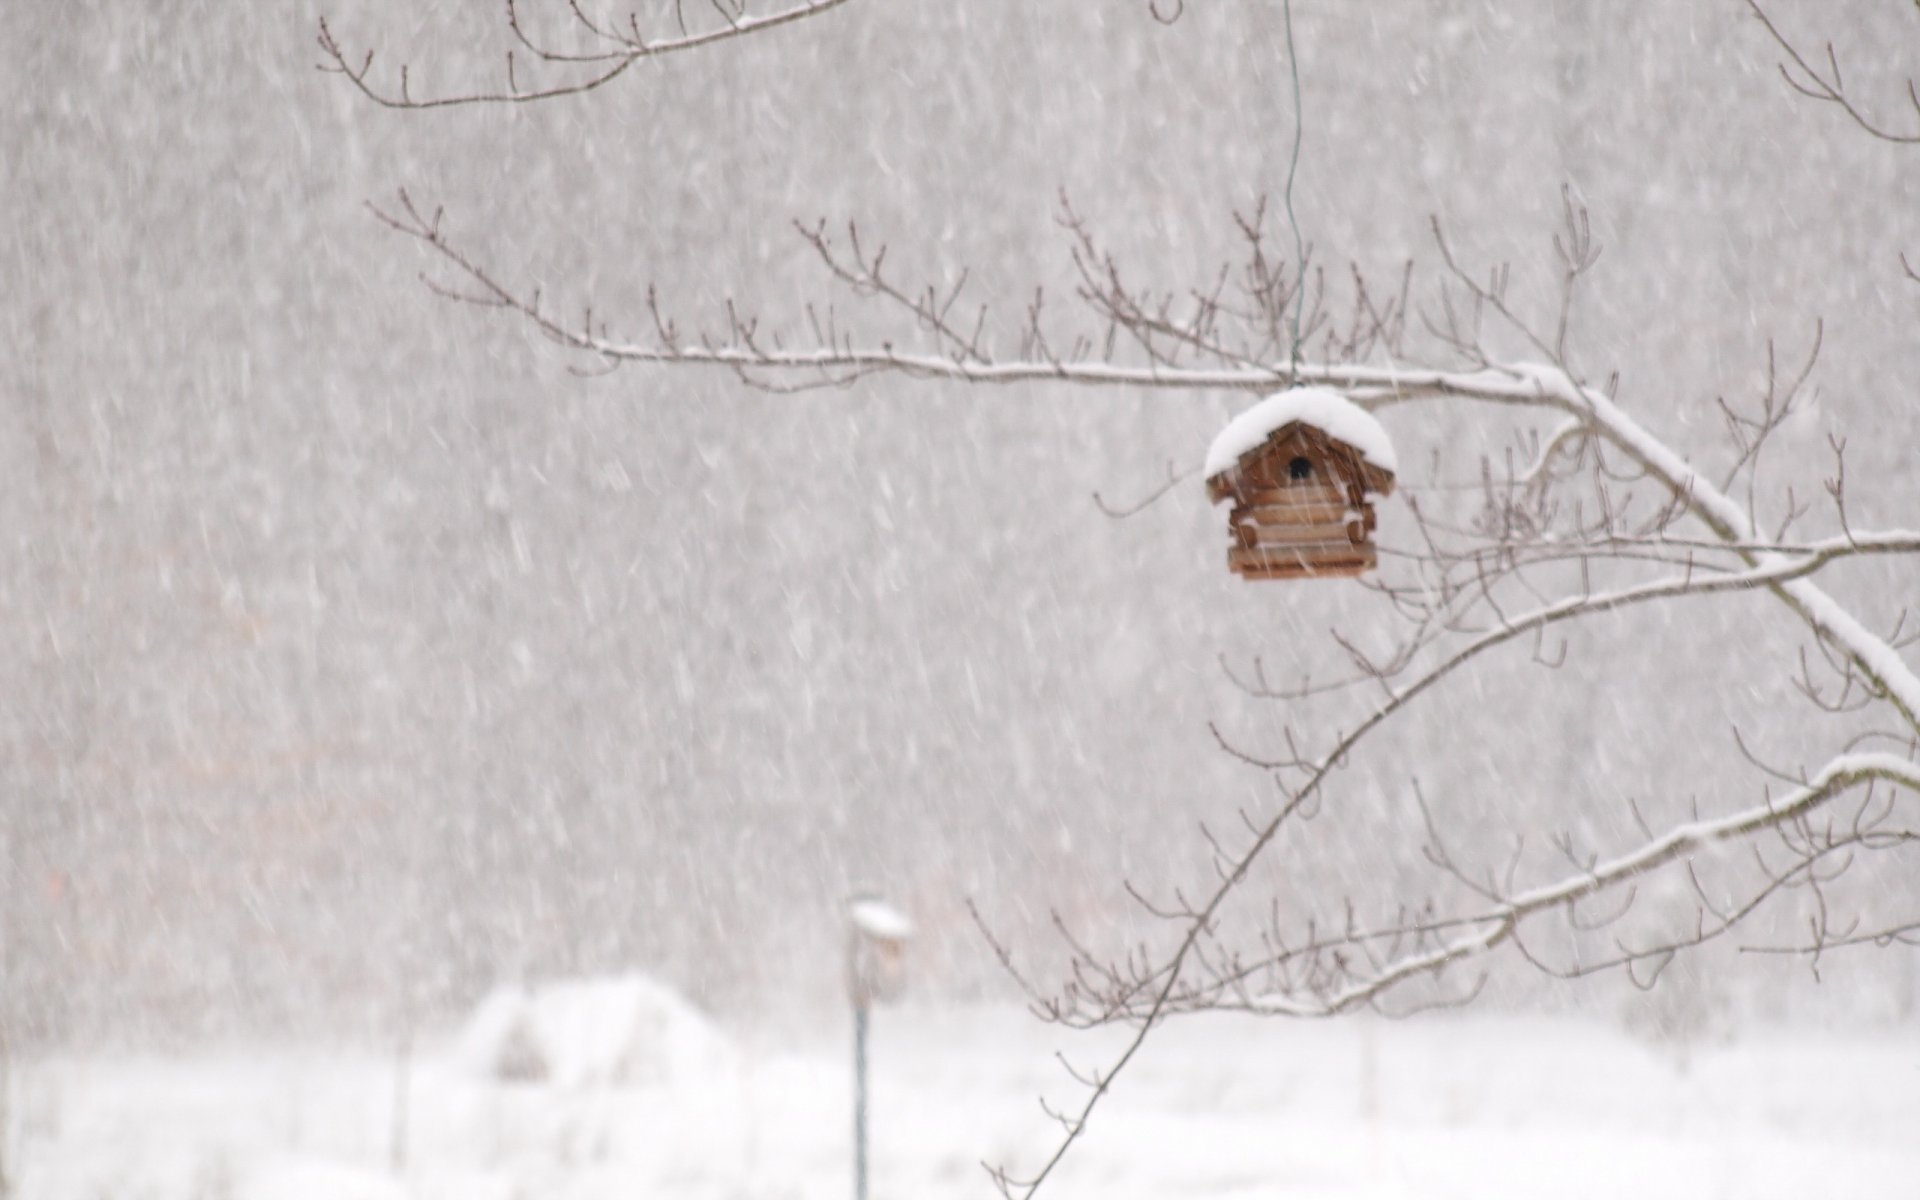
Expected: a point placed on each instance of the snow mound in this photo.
(1323, 408)
(315, 1179)
(588, 1032)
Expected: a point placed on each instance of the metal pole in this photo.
(402, 1096)
(859, 1100)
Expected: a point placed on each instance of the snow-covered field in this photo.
(1455, 1106)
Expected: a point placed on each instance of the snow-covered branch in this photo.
(1198, 919)
(1497, 924)
(1881, 665)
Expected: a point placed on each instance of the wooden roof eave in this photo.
(1376, 481)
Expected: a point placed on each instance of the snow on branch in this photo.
(1878, 661)
(1499, 923)
(1316, 769)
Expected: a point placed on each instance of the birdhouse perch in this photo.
(1302, 468)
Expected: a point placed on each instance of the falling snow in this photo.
(393, 694)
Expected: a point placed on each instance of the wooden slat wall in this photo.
(1251, 534)
(1285, 496)
(1301, 562)
(1275, 514)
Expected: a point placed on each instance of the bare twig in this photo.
(620, 50)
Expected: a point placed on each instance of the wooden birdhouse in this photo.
(1302, 468)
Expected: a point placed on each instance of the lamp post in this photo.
(877, 936)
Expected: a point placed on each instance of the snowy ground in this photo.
(1455, 1107)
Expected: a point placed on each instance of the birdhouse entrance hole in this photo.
(1300, 468)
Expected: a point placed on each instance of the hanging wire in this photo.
(1293, 168)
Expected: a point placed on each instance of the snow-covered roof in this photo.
(1323, 408)
(876, 918)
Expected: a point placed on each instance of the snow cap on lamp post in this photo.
(877, 951)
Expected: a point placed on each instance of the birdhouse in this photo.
(1302, 468)
(877, 950)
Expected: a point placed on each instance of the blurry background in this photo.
(357, 655)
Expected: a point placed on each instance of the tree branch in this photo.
(627, 48)
(1827, 86)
